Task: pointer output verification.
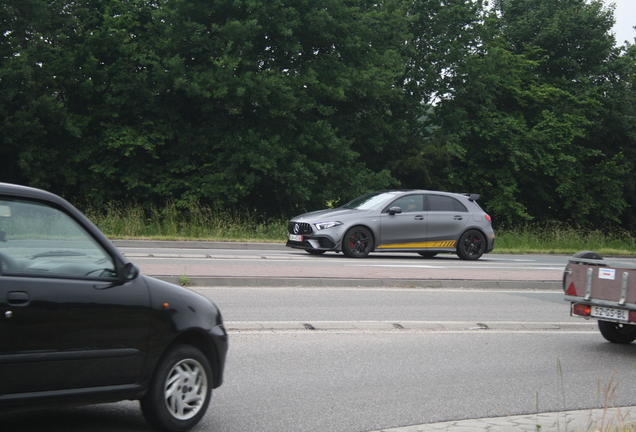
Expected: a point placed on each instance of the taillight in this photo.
(581, 310)
(488, 218)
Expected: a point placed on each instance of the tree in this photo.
(64, 66)
(442, 37)
(264, 95)
(570, 38)
(521, 120)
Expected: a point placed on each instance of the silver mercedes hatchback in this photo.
(420, 221)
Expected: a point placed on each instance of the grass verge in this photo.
(560, 238)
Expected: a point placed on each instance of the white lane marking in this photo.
(457, 267)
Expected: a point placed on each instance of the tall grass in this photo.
(561, 238)
(199, 222)
(194, 223)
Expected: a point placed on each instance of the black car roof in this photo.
(28, 192)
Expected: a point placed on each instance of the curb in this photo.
(595, 419)
(273, 282)
(189, 244)
(432, 326)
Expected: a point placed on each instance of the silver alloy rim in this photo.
(186, 389)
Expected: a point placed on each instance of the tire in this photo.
(357, 242)
(315, 252)
(582, 254)
(471, 245)
(617, 333)
(587, 255)
(427, 254)
(180, 390)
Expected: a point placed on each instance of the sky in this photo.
(625, 15)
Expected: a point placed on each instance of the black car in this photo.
(80, 325)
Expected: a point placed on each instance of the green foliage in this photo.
(285, 106)
(570, 38)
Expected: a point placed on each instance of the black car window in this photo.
(445, 203)
(409, 203)
(39, 240)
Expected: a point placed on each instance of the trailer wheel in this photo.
(587, 255)
(582, 254)
(616, 332)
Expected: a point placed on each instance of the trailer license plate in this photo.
(295, 237)
(610, 313)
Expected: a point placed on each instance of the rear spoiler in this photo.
(473, 197)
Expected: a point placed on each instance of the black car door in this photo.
(64, 323)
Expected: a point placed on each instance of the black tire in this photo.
(427, 254)
(582, 254)
(315, 252)
(183, 372)
(617, 333)
(357, 242)
(587, 255)
(471, 245)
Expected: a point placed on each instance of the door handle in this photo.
(18, 298)
(458, 217)
(419, 217)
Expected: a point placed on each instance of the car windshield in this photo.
(369, 201)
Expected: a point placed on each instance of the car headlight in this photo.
(324, 225)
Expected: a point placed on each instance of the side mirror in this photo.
(395, 210)
(130, 272)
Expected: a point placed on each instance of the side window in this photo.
(445, 203)
(409, 203)
(39, 240)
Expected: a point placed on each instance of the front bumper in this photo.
(317, 243)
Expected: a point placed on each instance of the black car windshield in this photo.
(370, 201)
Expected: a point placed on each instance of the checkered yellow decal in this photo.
(424, 245)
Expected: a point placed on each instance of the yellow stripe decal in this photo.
(424, 245)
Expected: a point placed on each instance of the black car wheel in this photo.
(180, 390)
(471, 246)
(617, 333)
(357, 242)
